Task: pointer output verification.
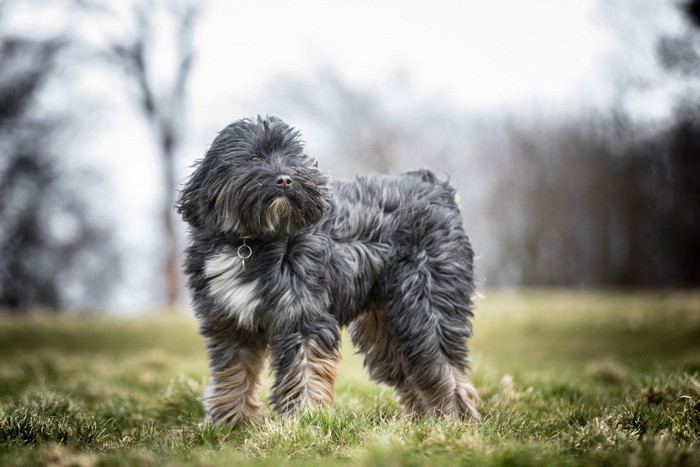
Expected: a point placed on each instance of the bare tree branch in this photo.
(162, 107)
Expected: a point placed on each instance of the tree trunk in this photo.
(172, 271)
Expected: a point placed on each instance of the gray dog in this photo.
(280, 258)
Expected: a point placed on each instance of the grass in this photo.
(567, 378)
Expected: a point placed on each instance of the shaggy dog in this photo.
(280, 258)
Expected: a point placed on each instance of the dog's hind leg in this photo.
(305, 361)
(374, 338)
(235, 368)
(428, 311)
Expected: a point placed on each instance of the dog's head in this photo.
(256, 180)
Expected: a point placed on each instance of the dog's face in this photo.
(255, 181)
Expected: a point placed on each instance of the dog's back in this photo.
(372, 207)
(377, 222)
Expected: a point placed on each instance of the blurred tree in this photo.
(680, 54)
(682, 217)
(563, 206)
(598, 200)
(161, 103)
(692, 11)
(53, 252)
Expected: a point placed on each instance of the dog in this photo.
(280, 258)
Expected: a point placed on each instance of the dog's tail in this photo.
(427, 176)
(448, 192)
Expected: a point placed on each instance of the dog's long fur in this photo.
(385, 255)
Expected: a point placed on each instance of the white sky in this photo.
(481, 54)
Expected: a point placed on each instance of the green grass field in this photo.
(566, 378)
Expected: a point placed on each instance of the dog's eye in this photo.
(254, 159)
(315, 163)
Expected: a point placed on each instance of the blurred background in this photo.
(571, 130)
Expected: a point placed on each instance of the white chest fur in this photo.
(223, 270)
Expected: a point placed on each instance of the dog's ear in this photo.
(189, 203)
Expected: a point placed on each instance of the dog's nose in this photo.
(283, 181)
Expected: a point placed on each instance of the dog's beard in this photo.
(269, 215)
(279, 217)
(256, 210)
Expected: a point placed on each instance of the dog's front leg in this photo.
(235, 368)
(305, 361)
